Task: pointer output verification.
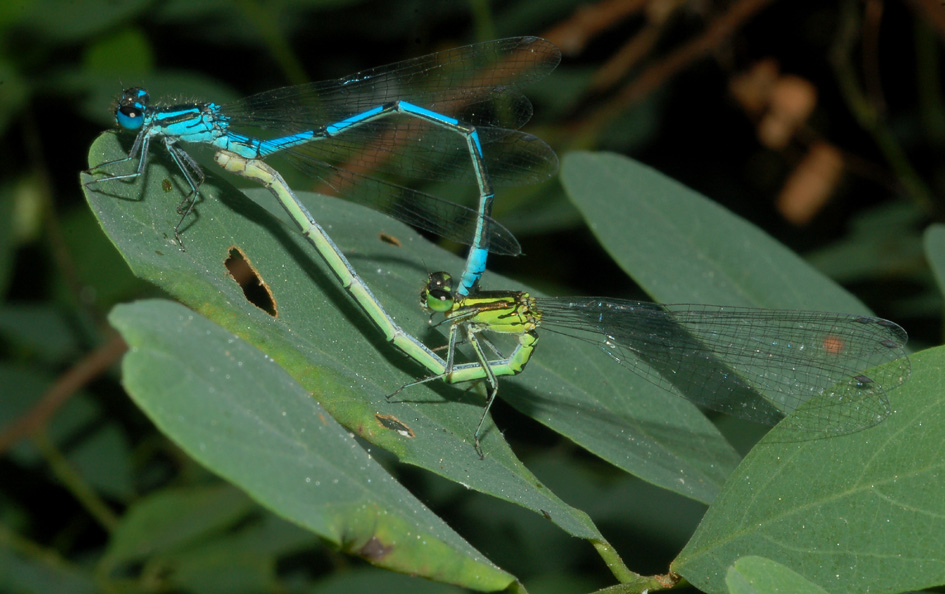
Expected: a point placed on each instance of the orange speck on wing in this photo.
(833, 345)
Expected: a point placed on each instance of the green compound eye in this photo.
(438, 292)
(438, 301)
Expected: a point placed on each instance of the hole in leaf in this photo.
(255, 290)
(395, 424)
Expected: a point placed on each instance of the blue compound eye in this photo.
(130, 117)
(131, 108)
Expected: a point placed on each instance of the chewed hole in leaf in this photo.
(395, 424)
(249, 280)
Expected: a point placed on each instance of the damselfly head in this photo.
(437, 293)
(131, 108)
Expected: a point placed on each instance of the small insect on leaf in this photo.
(389, 239)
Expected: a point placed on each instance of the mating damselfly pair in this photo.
(455, 115)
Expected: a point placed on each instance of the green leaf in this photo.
(881, 242)
(125, 53)
(22, 570)
(861, 512)
(934, 242)
(662, 439)
(42, 330)
(757, 575)
(318, 334)
(237, 412)
(204, 571)
(683, 248)
(242, 560)
(94, 444)
(171, 519)
(67, 22)
(101, 268)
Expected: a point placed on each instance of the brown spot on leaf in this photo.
(375, 550)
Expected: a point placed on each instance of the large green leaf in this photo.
(237, 412)
(319, 336)
(858, 513)
(683, 248)
(317, 333)
(819, 506)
